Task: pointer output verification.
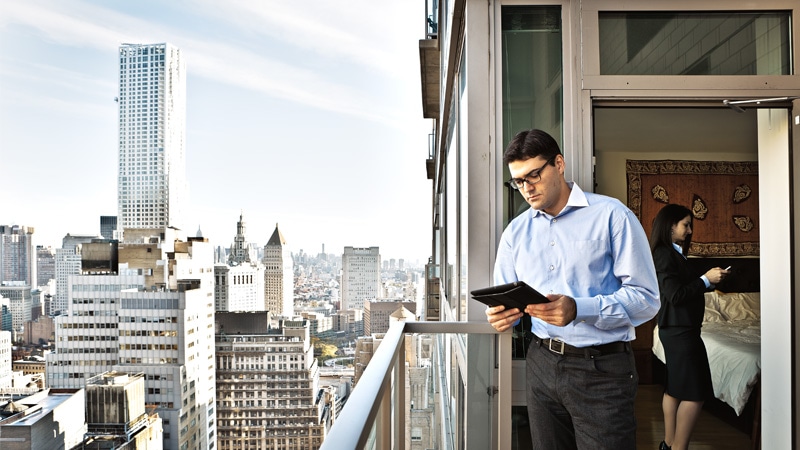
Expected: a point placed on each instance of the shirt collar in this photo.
(577, 199)
(678, 248)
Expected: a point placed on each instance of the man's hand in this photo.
(502, 319)
(560, 311)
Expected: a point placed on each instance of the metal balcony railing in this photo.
(374, 416)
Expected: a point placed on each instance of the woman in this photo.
(688, 380)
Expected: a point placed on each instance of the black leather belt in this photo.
(562, 348)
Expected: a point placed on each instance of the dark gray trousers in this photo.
(581, 403)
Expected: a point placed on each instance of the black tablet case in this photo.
(513, 295)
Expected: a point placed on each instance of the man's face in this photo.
(542, 189)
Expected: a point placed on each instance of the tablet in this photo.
(512, 295)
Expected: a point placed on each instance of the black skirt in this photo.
(688, 374)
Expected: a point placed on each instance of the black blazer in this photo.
(681, 290)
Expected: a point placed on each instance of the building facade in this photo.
(611, 81)
(45, 265)
(268, 393)
(20, 303)
(278, 276)
(151, 314)
(67, 262)
(239, 283)
(361, 276)
(17, 254)
(108, 225)
(151, 180)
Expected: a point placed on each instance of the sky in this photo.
(306, 114)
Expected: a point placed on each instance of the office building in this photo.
(20, 302)
(278, 276)
(268, 392)
(45, 265)
(67, 262)
(151, 181)
(378, 314)
(361, 276)
(17, 254)
(152, 313)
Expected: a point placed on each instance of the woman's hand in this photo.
(716, 275)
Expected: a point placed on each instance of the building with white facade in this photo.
(67, 262)
(361, 276)
(48, 419)
(153, 313)
(17, 254)
(20, 302)
(268, 392)
(278, 276)
(151, 180)
(239, 284)
(5, 359)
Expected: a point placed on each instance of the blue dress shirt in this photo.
(594, 251)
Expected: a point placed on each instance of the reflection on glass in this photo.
(532, 80)
(694, 43)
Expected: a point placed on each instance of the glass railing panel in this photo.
(449, 394)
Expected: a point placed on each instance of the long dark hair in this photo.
(661, 233)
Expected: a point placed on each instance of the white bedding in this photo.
(732, 336)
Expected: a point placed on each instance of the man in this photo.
(590, 256)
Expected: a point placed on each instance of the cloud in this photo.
(327, 30)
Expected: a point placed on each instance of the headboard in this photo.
(745, 273)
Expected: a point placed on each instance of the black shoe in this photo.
(663, 446)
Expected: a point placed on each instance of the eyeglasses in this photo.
(533, 177)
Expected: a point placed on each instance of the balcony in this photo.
(379, 412)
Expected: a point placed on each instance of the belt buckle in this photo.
(560, 351)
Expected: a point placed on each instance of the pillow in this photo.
(740, 305)
(713, 313)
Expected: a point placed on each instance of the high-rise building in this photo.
(20, 302)
(278, 276)
(361, 276)
(268, 393)
(45, 265)
(151, 180)
(239, 284)
(151, 312)
(17, 254)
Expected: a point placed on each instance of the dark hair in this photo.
(661, 233)
(530, 144)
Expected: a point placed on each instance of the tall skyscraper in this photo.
(17, 254)
(278, 276)
(152, 136)
(361, 276)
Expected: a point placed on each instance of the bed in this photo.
(732, 336)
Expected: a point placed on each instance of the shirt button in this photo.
(552, 267)
(552, 243)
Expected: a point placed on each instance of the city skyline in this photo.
(308, 116)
